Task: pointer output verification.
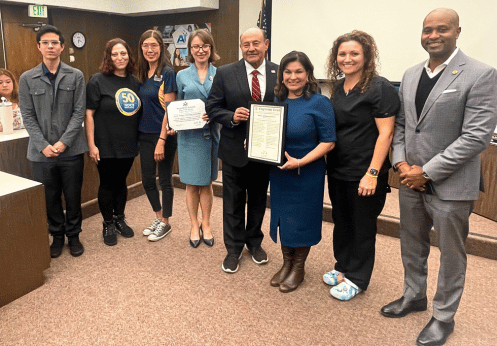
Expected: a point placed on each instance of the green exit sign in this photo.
(38, 11)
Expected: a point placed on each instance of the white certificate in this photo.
(266, 132)
(186, 114)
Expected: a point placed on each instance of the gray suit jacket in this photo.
(454, 127)
(50, 118)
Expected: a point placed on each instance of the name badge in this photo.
(157, 78)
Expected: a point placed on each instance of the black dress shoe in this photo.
(209, 242)
(196, 243)
(75, 247)
(401, 307)
(435, 333)
(57, 245)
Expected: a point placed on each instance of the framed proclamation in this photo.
(266, 130)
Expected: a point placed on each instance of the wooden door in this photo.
(20, 42)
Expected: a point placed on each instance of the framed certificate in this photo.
(185, 114)
(266, 130)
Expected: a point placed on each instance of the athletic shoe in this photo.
(150, 229)
(160, 232)
(122, 227)
(230, 263)
(259, 256)
(109, 233)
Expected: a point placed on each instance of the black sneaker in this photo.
(57, 245)
(230, 263)
(259, 255)
(75, 247)
(122, 227)
(109, 232)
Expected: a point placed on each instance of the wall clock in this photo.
(78, 39)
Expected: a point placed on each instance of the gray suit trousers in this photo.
(450, 219)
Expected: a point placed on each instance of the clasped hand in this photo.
(412, 177)
(241, 114)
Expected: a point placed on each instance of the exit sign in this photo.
(38, 11)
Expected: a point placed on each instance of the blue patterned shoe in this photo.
(345, 291)
(333, 278)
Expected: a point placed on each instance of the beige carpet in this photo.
(167, 293)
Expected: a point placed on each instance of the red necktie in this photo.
(256, 88)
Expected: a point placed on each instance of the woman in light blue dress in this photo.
(197, 149)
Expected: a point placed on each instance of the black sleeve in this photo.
(93, 94)
(385, 99)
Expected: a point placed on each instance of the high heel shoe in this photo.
(208, 242)
(195, 243)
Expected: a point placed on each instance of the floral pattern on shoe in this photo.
(345, 291)
(333, 277)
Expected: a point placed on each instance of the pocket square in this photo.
(449, 91)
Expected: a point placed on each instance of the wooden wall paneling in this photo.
(13, 158)
(20, 42)
(486, 205)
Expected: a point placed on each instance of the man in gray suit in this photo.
(52, 100)
(448, 114)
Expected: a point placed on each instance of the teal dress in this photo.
(297, 199)
(197, 149)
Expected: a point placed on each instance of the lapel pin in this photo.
(454, 72)
(211, 78)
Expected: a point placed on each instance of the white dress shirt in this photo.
(440, 67)
(261, 76)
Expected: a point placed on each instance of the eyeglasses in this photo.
(153, 46)
(204, 47)
(46, 43)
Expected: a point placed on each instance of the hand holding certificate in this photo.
(186, 114)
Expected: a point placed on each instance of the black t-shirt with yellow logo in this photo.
(117, 114)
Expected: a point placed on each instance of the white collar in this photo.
(440, 67)
(250, 68)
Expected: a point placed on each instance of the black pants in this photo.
(113, 192)
(354, 234)
(62, 177)
(149, 167)
(244, 186)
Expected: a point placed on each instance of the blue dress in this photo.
(297, 200)
(197, 149)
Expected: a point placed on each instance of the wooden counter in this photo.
(24, 243)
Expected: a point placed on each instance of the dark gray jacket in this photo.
(51, 118)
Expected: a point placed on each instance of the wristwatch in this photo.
(373, 171)
(426, 176)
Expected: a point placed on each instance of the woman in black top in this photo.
(365, 106)
(111, 124)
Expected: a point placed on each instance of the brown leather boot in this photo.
(296, 275)
(288, 253)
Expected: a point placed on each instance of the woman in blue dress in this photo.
(197, 149)
(297, 187)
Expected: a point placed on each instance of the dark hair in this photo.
(14, 97)
(143, 66)
(370, 52)
(45, 29)
(310, 88)
(107, 66)
(206, 37)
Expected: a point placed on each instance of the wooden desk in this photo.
(24, 244)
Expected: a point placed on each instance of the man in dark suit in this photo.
(245, 182)
(448, 115)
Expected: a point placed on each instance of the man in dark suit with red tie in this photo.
(245, 182)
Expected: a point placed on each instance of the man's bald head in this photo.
(448, 12)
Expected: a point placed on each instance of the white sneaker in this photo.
(160, 232)
(150, 229)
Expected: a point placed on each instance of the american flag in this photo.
(264, 21)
